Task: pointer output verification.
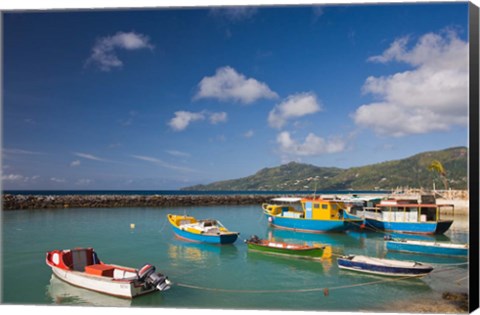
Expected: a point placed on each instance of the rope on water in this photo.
(456, 264)
(324, 290)
(163, 226)
(459, 280)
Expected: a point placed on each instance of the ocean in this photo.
(212, 276)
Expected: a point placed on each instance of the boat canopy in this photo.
(287, 199)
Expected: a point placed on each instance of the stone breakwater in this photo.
(18, 202)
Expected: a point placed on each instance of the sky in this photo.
(158, 99)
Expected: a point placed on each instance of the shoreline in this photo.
(13, 202)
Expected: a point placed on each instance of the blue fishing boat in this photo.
(405, 216)
(424, 247)
(316, 215)
(203, 231)
(381, 266)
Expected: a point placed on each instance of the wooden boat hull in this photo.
(223, 238)
(385, 267)
(439, 227)
(310, 253)
(430, 248)
(120, 288)
(313, 226)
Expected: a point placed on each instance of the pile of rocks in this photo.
(17, 202)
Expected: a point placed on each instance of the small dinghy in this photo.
(426, 247)
(82, 268)
(204, 231)
(380, 266)
(281, 248)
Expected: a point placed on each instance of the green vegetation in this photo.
(414, 172)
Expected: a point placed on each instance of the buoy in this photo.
(132, 225)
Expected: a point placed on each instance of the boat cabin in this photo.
(406, 211)
(322, 209)
(284, 206)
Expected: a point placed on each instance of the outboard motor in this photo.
(147, 273)
(254, 239)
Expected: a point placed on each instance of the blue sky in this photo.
(167, 98)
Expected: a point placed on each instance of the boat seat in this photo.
(81, 258)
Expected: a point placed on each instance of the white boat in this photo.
(381, 266)
(82, 268)
(425, 247)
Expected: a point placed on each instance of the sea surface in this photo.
(212, 276)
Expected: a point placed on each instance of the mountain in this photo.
(409, 172)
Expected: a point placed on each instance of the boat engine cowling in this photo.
(254, 239)
(147, 273)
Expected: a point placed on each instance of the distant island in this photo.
(414, 171)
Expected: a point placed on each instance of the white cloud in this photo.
(178, 153)
(162, 163)
(89, 157)
(312, 145)
(75, 163)
(19, 178)
(433, 96)
(13, 177)
(216, 118)
(8, 152)
(249, 134)
(228, 84)
(294, 106)
(234, 14)
(57, 180)
(183, 118)
(83, 182)
(104, 51)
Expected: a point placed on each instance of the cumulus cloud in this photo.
(311, 146)
(432, 96)
(216, 118)
(13, 177)
(104, 52)
(183, 119)
(294, 106)
(228, 84)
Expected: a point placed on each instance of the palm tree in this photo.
(438, 167)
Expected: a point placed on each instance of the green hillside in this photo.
(412, 172)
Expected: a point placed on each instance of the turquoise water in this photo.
(211, 276)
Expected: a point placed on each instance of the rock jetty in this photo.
(18, 202)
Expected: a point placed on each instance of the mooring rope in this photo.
(325, 290)
(163, 226)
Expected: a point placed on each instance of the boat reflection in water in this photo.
(65, 294)
(198, 254)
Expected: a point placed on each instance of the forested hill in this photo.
(412, 172)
